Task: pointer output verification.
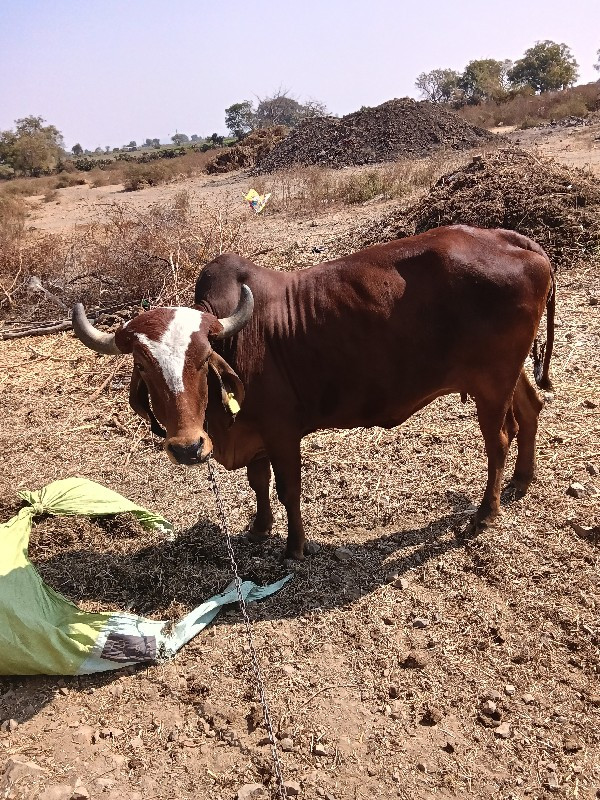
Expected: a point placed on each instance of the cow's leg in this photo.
(493, 423)
(259, 478)
(286, 466)
(527, 406)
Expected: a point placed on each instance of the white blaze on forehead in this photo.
(169, 351)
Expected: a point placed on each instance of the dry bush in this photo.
(315, 188)
(12, 230)
(65, 179)
(526, 110)
(154, 254)
(153, 173)
(28, 187)
(51, 196)
(138, 176)
(103, 177)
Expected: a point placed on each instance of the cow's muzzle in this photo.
(189, 453)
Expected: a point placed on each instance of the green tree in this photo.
(180, 138)
(485, 79)
(240, 118)
(77, 149)
(545, 67)
(597, 64)
(32, 148)
(439, 85)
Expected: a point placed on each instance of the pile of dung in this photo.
(555, 205)
(244, 154)
(396, 129)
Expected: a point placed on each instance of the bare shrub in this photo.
(529, 109)
(51, 196)
(65, 179)
(154, 254)
(12, 228)
(138, 176)
(314, 188)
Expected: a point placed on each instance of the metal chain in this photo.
(212, 478)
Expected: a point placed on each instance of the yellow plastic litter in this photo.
(257, 201)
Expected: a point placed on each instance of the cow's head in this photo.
(172, 355)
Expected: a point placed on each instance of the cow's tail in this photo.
(542, 354)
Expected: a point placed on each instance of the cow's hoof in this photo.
(520, 485)
(311, 548)
(291, 563)
(258, 537)
(475, 526)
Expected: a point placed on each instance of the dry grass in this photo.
(316, 189)
(131, 174)
(155, 254)
(527, 110)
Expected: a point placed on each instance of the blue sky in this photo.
(108, 71)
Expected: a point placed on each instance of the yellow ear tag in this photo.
(232, 403)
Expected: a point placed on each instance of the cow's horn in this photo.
(92, 338)
(240, 316)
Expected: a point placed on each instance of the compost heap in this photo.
(556, 206)
(244, 154)
(396, 129)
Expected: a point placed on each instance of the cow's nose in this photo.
(187, 453)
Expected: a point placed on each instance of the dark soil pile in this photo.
(245, 154)
(556, 206)
(396, 129)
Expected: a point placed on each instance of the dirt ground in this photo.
(381, 660)
(576, 146)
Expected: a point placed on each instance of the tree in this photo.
(439, 85)
(217, 140)
(77, 149)
(485, 79)
(98, 151)
(240, 118)
(597, 64)
(32, 148)
(180, 138)
(545, 67)
(282, 109)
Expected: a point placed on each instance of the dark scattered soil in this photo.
(245, 154)
(396, 129)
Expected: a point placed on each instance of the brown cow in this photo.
(361, 341)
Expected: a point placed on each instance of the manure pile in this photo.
(556, 206)
(396, 129)
(245, 154)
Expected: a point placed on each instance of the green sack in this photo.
(41, 632)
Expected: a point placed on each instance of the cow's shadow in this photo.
(181, 573)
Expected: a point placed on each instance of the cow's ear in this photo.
(124, 339)
(214, 327)
(229, 380)
(139, 401)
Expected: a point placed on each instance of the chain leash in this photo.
(212, 479)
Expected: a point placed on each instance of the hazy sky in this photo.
(108, 71)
